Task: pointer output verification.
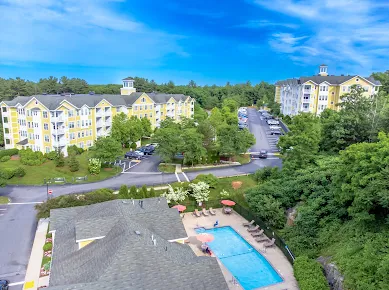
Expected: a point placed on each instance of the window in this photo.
(140, 108)
(82, 134)
(140, 116)
(151, 115)
(7, 141)
(82, 123)
(4, 109)
(6, 130)
(5, 120)
(46, 126)
(36, 137)
(135, 108)
(344, 88)
(72, 136)
(151, 107)
(47, 139)
(70, 113)
(306, 97)
(90, 122)
(79, 135)
(86, 133)
(71, 125)
(143, 100)
(161, 113)
(29, 125)
(357, 80)
(366, 88)
(332, 103)
(78, 112)
(349, 88)
(44, 114)
(81, 144)
(38, 148)
(36, 125)
(78, 124)
(90, 132)
(145, 115)
(88, 143)
(35, 113)
(47, 149)
(307, 87)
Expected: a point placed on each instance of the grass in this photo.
(4, 200)
(167, 168)
(242, 158)
(36, 174)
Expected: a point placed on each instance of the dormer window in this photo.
(128, 84)
(143, 100)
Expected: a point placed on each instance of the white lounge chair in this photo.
(197, 213)
(205, 212)
(269, 244)
(212, 211)
(253, 229)
(257, 234)
(248, 224)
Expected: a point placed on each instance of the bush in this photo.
(133, 146)
(94, 166)
(31, 158)
(7, 173)
(74, 165)
(309, 274)
(123, 191)
(47, 247)
(46, 262)
(2, 182)
(5, 158)
(133, 192)
(20, 172)
(152, 192)
(71, 200)
(210, 179)
(75, 150)
(144, 192)
(9, 152)
(51, 155)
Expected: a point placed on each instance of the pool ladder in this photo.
(234, 281)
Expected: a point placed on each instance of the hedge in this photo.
(8, 152)
(72, 200)
(47, 247)
(5, 158)
(9, 173)
(32, 158)
(309, 274)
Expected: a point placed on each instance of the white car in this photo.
(275, 127)
(139, 152)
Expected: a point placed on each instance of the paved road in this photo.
(18, 223)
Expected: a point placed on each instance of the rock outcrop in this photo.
(334, 277)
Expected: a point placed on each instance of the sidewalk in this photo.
(34, 264)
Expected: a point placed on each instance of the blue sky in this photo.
(211, 42)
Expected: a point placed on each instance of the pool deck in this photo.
(274, 255)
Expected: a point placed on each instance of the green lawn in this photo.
(167, 168)
(4, 200)
(36, 174)
(242, 158)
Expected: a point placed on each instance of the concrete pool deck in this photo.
(274, 255)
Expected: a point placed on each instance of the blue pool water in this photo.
(245, 263)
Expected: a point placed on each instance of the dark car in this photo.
(275, 132)
(132, 155)
(262, 154)
(147, 150)
(242, 126)
(4, 285)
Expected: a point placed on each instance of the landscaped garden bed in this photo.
(46, 259)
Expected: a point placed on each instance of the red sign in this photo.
(49, 191)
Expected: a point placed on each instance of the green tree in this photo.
(199, 113)
(106, 149)
(301, 144)
(123, 191)
(206, 129)
(133, 192)
(152, 192)
(146, 127)
(144, 192)
(170, 142)
(136, 129)
(233, 141)
(49, 85)
(216, 118)
(120, 128)
(59, 159)
(383, 77)
(1, 134)
(231, 104)
(193, 146)
(74, 165)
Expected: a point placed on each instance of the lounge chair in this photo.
(262, 239)
(205, 212)
(212, 211)
(270, 243)
(257, 234)
(197, 213)
(253, 229)
(248, 224)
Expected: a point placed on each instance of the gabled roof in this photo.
(122, 259)
(52, 102)
(333, 80)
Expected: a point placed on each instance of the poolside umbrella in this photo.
(179, 207)
(205, 238)
(228, 202)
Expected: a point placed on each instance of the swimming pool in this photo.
(245, 263)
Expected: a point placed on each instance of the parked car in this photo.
(242, 126)
(4, 284)
(147, 150)
(260, 154)
(273, 127)
(133, 155)
(275, 132)
(273, 122)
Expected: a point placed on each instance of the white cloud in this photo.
(354, 32)
(266, 23)
(84, 32)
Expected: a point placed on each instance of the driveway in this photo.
(18, 222)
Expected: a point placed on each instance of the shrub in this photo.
(20, 172)
(46, 261)
(51, 155)
(59, 159)
(94, 166)
(200, 191)
(5, 158)
(72, 200)
(210, 179)
(47, 246)
(8, 152)
(144, 192)
(123, 191)
(133, 146)
(7, 173)
(75, 150)
(224, 194)
(133, 192)
(152, 192)
(31, 158)
(49, 235)
(74, 165)
(175, 194)
(2, 182)
(309, 274)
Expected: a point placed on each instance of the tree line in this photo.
(335, 178)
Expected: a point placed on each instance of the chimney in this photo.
(323, 70)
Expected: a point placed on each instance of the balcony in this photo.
(108, 112)
(61, 143)
(59, 131)
(58, 119)
(99, 114)
(5, 125)
(99, 124)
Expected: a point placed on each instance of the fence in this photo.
(284, 127)
(269, 232)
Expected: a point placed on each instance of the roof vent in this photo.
(141, 203)
(155, 242)
(137, 232)
(91, 92)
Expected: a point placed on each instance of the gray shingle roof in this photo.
(334, 80)
(124, 259)
(78, 100)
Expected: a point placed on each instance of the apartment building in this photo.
(315, 93)
(47, 122)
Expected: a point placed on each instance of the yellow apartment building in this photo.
(315, 93)
(47, 122)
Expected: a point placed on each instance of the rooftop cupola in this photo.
(323, 70)
(128, 87)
